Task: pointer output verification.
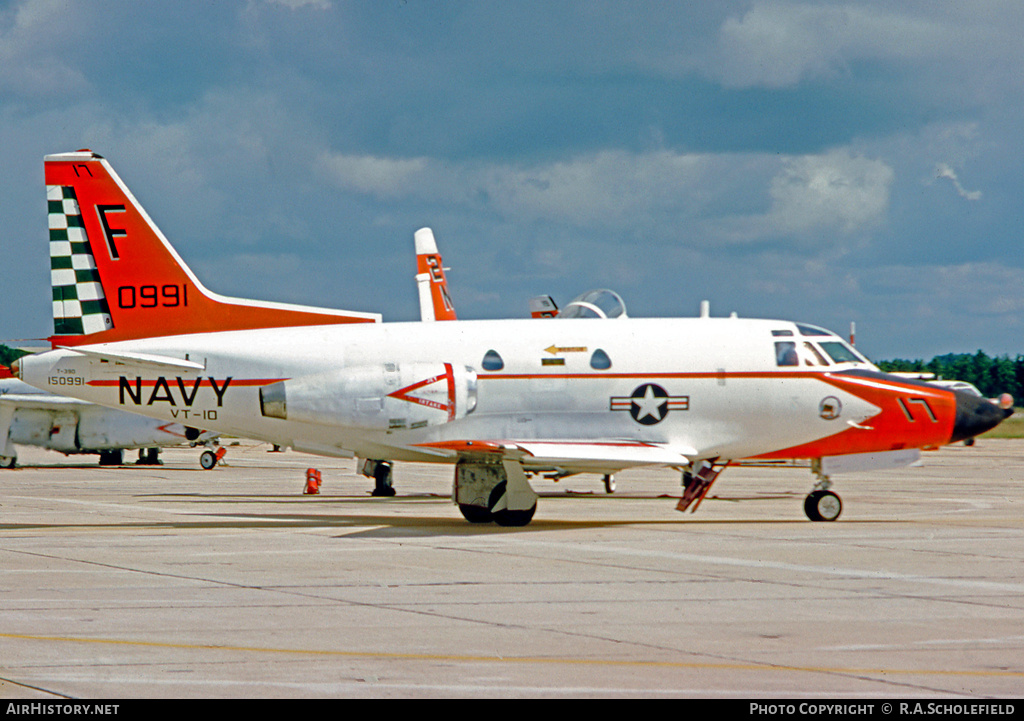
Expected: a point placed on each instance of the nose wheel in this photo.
(822, 506)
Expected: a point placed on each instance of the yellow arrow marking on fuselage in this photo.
(555, 350)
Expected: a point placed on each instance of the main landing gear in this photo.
(495, 491)
(380, 472)
(149, 457)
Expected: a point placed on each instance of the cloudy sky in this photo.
(819, 161)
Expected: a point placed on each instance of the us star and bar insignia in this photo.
(649, 404)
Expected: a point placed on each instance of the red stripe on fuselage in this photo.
(930, 423)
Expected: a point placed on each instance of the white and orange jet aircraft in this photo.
(499, 399)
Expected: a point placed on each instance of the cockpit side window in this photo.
(812, 352)
(785, 354)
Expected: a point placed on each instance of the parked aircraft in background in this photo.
(31, 417)
(431, 282)
(496, 399)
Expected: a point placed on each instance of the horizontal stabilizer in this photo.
(41, 401)
(146, 360)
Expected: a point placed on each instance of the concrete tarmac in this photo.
(175, 582)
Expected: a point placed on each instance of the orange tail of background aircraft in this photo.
(115, 276)
(431, 283)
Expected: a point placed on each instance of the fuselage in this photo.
(704, 387)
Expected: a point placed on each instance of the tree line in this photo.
(992, 375)
(8, 355)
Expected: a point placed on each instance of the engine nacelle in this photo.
(103, 429)
(390, 396)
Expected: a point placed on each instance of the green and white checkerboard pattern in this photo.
(79, 305)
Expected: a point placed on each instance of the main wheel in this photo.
(609, 483)
(382, 480)
(507, 517)
(475, 514)
(514, 518)
(8, 461)
(823, 506)
(112, 458)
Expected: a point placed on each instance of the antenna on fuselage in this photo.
(705, 309)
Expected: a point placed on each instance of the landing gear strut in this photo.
(380, 472)
(149, 457)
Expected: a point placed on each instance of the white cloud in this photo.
(942, 170)
(614, 188)
(975, 291)
(779, 44)
(836, 190)
(298, 4)
(608, 188)
(380, 177)
(663, 195)
(33, 35)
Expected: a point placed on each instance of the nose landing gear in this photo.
(822, 504)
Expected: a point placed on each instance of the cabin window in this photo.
(492, 361)
(600, 361)
(785, 354)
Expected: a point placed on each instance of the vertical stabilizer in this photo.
(116, 277)
(435, 303)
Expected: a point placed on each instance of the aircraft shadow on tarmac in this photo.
(446, 521)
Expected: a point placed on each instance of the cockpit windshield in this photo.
(822, 348)
(839, 352)
(595, 304)
(812, 330)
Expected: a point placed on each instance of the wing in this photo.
(592, 456)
